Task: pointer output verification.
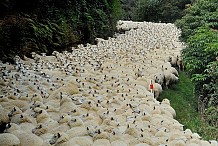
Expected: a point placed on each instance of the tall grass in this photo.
(182, 99)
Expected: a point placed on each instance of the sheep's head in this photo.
(37, 111)
(40, 129)
(55, 138)
(14, 111)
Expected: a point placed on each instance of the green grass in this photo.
(182, 99)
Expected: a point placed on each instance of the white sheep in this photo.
(61, 139)
(102, 142)
(43, 117)
(118, 143)
(27, 138)
(103, 87)
(8, 139)
(170, 78)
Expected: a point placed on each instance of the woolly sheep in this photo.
(132, 131)
(77, 131)
(102, 142)
(82, 141)
(40, 129)
(61, 139)
(28, 138)
(142, 144)
(118, 143)
(14, 111)
(43, 117)
(4, 118)
(103, 87)
(66, 104)
(7, 139)
(157, 90)
(101, 135)
(70, 88)
(170, 78)
(76, 122)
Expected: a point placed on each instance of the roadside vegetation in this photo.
(182, 99)
(200, 33)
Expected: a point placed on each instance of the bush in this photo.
(45, 26)
(199, 30)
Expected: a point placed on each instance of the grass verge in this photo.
(182, 99)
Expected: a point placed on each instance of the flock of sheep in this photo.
(97, 95)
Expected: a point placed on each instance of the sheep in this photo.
(132, 131)
(142, 144)
(8, 139)
(101, 135)
(68, 99)
(14, 111)
(77, 131)
(118, 143)
(70, 88)
(83, 141)
(167, 108)
(10, 127)
(157, 90)
(213, 142)
(43, 117)
(40, 129)
(180, 64)
(173, 71)
(64, 118)
(173, 61)
(159, 78)
(102, 142)
(28, 138)
(170, 78)
(4, 118)
(75, 122)
(66, 104)
(61, 139)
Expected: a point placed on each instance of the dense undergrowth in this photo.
(183, 100)
(45, 26)
(200, 32)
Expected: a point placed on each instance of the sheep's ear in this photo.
(14, 109)
(8, 126)
(99, 131)
(21, 116)
(59, 135)
(40, 111)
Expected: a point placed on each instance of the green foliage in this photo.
(154, 10)
(184, 102)
(45, 26)
(202, 49)
(202, 12)
(199, 30)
